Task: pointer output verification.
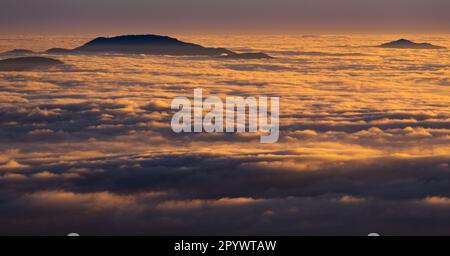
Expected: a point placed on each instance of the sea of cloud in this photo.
(364, 141)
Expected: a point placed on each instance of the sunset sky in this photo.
(214, 16)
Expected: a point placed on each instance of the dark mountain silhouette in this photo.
(158, 45)
(149, 44)
(406, 44)
(27, 63)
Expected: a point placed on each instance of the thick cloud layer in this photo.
(364, 143)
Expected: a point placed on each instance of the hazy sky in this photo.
(136, 16)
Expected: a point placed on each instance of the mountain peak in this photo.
(135, 39)
(158, 45)
(148, 44)
(407, 44)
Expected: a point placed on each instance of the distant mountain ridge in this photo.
(407, 44)
(151, 45)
